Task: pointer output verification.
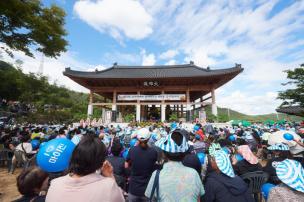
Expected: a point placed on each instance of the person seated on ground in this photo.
(31, 183)
(291, 173)
(222, 184)
(176, 181)
(249, 163)
(280, 152)
(90, 177)
(142, 161)
(118, 164)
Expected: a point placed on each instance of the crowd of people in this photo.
(174, 162)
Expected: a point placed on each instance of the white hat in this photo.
(143, 134)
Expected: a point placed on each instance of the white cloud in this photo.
(222, 33)
(147, 59)
(170, 62)
(249, 103)
(169, 54)
(98, 68)
(53, 68)
(116, 17)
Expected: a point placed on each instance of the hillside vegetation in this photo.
(36, 100)
(234, 115)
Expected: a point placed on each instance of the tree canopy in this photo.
(50, 101)
(295, 95)
(27, 24)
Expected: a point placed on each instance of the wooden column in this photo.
(163, 109)
(90, 105)
(214, 107)
(188, 107)
(138, 109)
(114, 106)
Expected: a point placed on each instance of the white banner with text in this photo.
(179, 97)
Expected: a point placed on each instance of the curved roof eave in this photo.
(152, 72)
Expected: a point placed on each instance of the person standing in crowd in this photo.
(176, 181)
(31, 183)
(291, 173)
(249, 163)
(22, 152)
(141, 159)
(90, 177)
(61, 133)
(222, 184)
(118, 164)
(77, 137)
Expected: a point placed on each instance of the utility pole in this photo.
(40, 70)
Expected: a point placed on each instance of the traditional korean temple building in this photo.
(153, 92)
(292, 110)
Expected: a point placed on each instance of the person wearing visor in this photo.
(176, 182)
(221, 182)
(280, 152)
(291, 173)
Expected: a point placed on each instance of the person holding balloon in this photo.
(90, 177)
(296, 146)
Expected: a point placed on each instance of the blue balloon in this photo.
(266, 189)
(154, 137)
(201, 157)
(196, 128)
(133, 142)
(35, 144)
(55, 155)
(288, 136)
(42, 144)
(226, 150)
(173, 125)
(125, 153)
(232, 138)
(239, 157)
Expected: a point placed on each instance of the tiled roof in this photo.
(169, 71)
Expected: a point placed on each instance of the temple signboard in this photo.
(128, 97)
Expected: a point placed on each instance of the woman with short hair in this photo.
(30, 183)
(90, 177)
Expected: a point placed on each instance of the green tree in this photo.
(27, 23)
(296, 94)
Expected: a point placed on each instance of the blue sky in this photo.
(265, 36)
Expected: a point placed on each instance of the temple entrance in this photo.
(150, 113)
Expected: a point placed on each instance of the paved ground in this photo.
(8, 188)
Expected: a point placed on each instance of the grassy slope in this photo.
(234, 115)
